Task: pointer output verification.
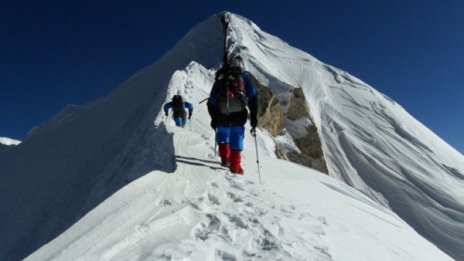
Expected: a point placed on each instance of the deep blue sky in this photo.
(54, 53)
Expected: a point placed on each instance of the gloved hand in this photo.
(253, 131)
(214, 124)
(190, 116)
(253, 122)
(166, 113)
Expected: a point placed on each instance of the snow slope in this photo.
(369, 141)
(202, 212)
(71, 164)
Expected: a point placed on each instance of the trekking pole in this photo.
(253, 132)
(202, 101)
(215, 143)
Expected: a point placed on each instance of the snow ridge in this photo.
(115, 180)
(202, 212)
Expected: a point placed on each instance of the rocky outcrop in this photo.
(271, 113)
(291, 124)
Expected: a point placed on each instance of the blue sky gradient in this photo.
(55, 53)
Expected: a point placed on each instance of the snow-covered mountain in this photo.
(115, 180)
(8, 141)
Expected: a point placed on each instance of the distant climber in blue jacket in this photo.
(178, 106)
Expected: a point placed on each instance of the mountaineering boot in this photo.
(235, 159)
(224, 153)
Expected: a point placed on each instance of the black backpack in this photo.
(231, 91)
(178, 106)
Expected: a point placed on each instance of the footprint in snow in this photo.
(323, 220)
(213, 199)
(234, 197)
(165, 203)
(214, 226)
(236, 220)
(237, 186)
(225, 256)
(267, 241)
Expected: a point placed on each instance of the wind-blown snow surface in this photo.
(202, 212)
(77, 160)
